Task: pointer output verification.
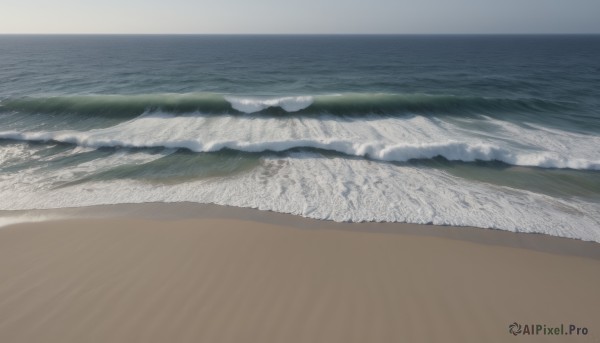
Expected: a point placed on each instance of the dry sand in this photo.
(239, 278)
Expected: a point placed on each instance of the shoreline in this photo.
(188, 210)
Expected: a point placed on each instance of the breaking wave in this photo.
(349, 104)
(450, 150)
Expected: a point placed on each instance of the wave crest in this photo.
(450, 150)
(349, 104)
(252, 105)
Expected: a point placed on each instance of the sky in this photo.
(300, 16)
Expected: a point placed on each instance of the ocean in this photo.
(488, 131)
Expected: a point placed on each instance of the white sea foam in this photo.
(339, 189)
(251, 105)
(42, 179)
(14, 153)
(385, 139)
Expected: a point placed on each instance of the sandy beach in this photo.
(222, 274)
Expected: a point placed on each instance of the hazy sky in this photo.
(295, 16)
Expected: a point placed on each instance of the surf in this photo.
(344, 104)
(382, 139)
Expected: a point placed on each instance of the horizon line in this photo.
(301, 34)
